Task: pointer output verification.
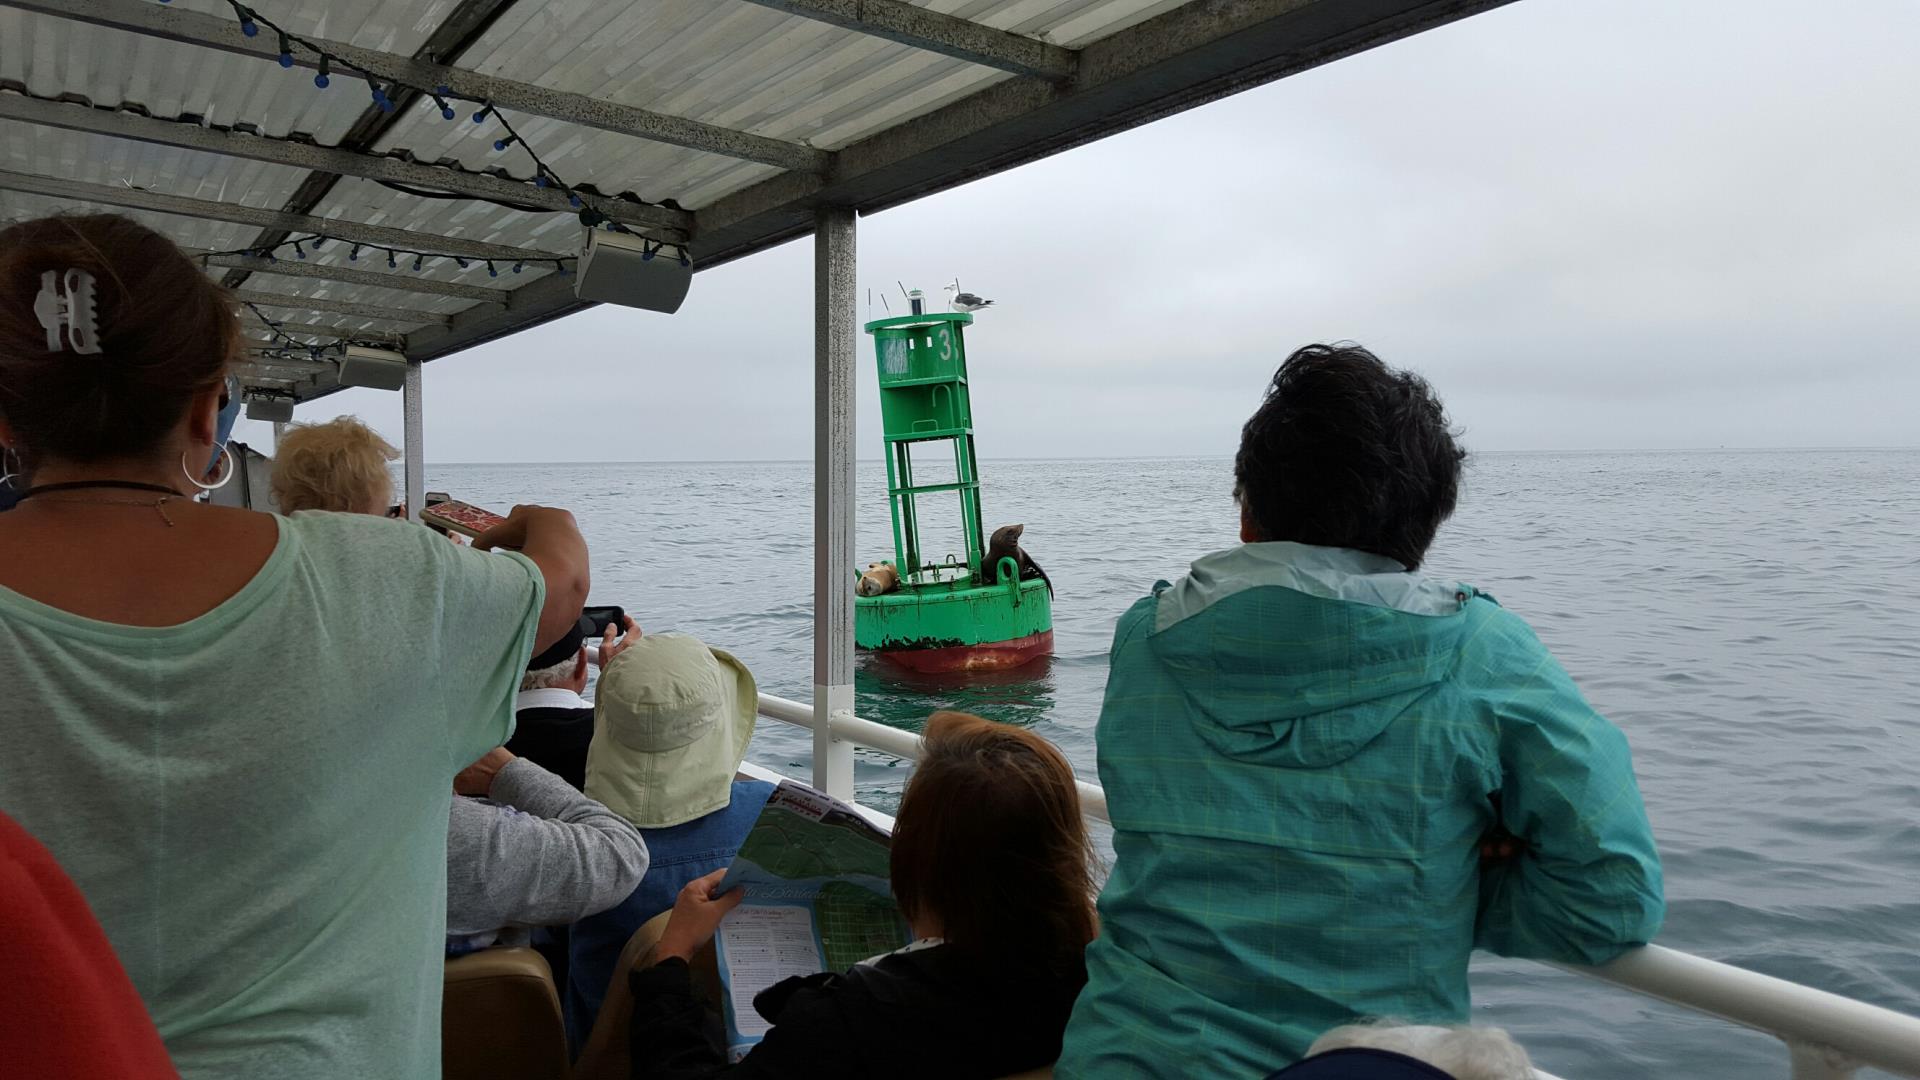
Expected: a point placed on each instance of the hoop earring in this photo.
(225, 476)
(9, 461)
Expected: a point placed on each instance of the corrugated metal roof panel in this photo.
(729, 63)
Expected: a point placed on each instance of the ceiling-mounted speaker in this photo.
(619, 268)
(272, 410)
(376, 369)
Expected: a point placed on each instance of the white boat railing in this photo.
(1828, 1037)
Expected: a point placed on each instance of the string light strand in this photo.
(385, 92)
(413, 260)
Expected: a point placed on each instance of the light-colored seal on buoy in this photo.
(880, 578)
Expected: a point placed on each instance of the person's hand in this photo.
(512, 533)
(609, 648)
(477, 778)
(696, 915)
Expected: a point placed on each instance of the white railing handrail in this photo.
(1809, 1021)
(901, 744)
(1795, 1014)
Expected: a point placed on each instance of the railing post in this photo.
(416, 441)
(835, 324)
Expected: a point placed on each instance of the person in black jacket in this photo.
(993, 870)
(553, 723)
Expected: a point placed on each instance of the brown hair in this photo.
(338, 465)
(989, 840)
(166, 332)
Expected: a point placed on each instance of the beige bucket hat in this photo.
(671, 723)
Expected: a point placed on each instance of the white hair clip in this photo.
(73, 311)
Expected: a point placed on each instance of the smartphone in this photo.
(595, 620)
(463, 518)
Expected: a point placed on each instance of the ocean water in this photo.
(1751, 619)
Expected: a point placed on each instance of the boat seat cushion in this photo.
(500, 1019)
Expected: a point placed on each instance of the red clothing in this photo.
(67, 1008)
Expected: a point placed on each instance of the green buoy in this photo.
(946, 615)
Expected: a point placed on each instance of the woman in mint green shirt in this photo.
(236, 732)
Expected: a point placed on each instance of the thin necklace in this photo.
(158, 505)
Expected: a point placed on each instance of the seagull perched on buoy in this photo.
(964, 301)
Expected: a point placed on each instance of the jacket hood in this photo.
(1298, 656)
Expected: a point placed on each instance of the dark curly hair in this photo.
(1348, 452)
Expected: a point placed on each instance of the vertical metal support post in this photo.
(835, 328)
(279, 433)
(416, 440)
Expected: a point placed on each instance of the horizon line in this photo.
(1211, 457)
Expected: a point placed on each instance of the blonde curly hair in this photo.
(338, 465)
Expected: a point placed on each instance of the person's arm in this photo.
(551, 539)
(554, 857)
(670, 1036)
(1583, 882)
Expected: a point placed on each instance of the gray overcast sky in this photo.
(1592, 223)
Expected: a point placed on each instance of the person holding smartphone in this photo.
(553, 718)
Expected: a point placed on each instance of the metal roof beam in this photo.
(403, 282)
(353, 232)
(339, 307)
(262, 358)
(128, 125)
(933, 31)
(193, 28)
(256, 331)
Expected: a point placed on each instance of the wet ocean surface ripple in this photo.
(1750, 619)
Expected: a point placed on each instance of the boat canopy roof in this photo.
(495, 132)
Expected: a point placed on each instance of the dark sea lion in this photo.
(1006, 545)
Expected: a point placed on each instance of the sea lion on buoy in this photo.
(880, 577)
(1006, 545)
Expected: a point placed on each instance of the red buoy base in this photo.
(986, 656)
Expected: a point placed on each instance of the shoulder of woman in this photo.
(355, 538)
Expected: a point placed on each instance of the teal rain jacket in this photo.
(1302, 748)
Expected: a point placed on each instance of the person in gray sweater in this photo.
(530, 850)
